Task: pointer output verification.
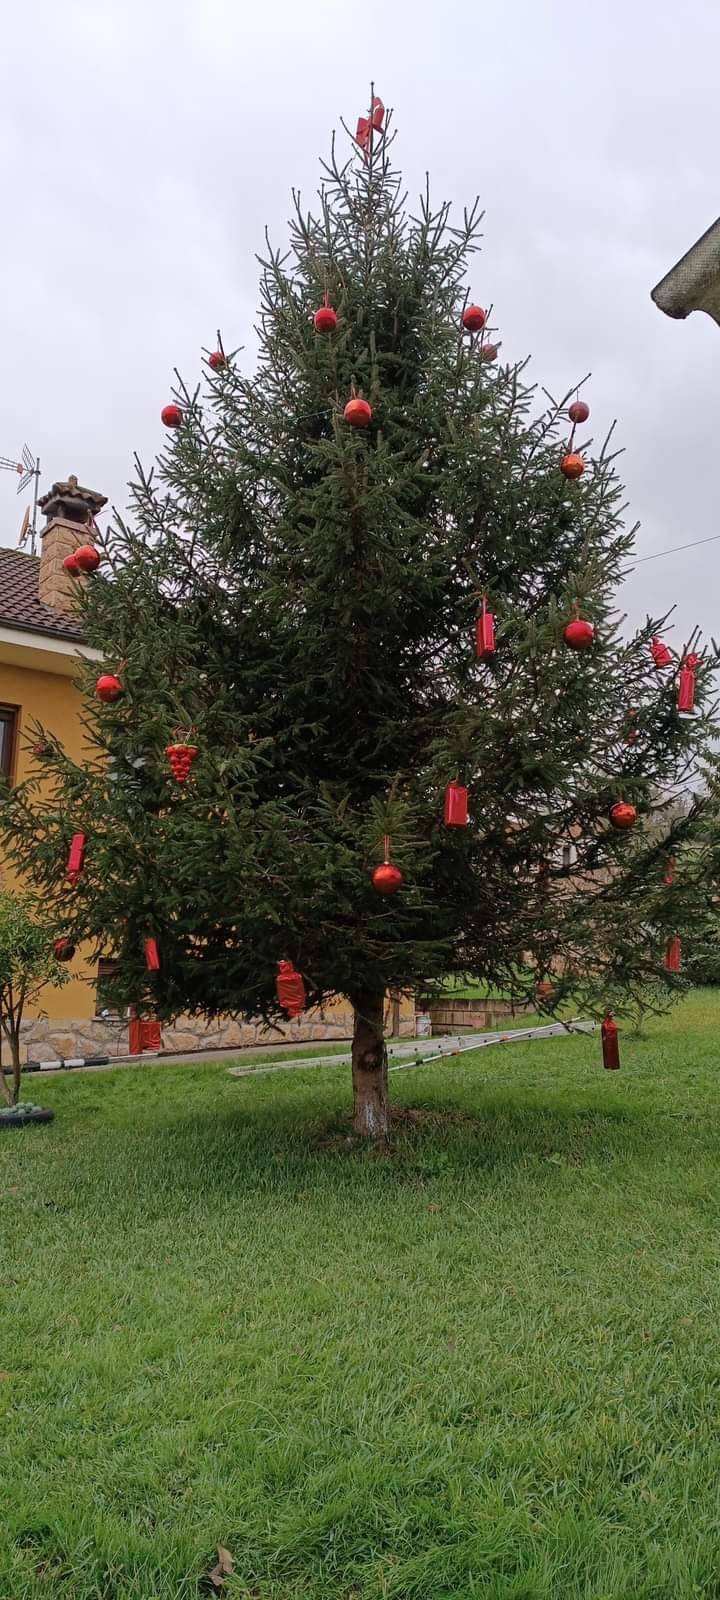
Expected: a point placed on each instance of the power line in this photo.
(674, 550)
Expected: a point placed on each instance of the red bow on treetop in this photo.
(369, 125)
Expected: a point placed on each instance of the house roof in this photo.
(693, 284)
(19, 604)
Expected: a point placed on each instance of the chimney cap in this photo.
(70, 498)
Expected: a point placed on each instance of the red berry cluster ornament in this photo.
(325, 318)
(623, 815)
(358, 412)
(181, 757)
(456, 805)
(474, 319)
(171, 416)
(108, 688)
(387, 878)
(290, 989)
(610, 1043)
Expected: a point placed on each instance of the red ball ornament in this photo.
(325, 319)
(358, 412)
(578, 634)
(87, 558)
(489, 352)
(216, 361)
(545, 990)
(70, 565)
(572, 465)
(623, 815)
(290, 989)
(610, 1043)
(171, 416)
(63, 949)
(578, 412)
(181, 757)
(108, 688)
(473, 319)
(386, 878)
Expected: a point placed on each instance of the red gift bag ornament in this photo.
(686, 684)
(76, 857)
(456, 805)
(290, 989)
(485, 633)
(673, 954)
(660, 653)
(152, 955)
(610, 1043)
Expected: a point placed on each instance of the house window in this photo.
(8, 729)
(569, 855)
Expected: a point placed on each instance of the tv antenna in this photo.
(26, 469)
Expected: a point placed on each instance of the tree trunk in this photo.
(371, 1111)
(10, 1085)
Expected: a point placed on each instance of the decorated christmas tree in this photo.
(369, 718)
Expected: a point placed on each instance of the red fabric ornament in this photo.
(358, 412)
(673, 955)
(171, 416)
(181, 757)
(216, 361)
(485, 633)
(670, 871)
(76, 857)
(63, 949)
(473, 319)
(456, 805)
(87, 558)
(152, 955)
(660, 653)
(325, 318)
(108, 688)
(686, 683)
(290, 989)
(572, 465)
(366, 126)
(578, 412)
(386, 878)
(70, 565)
(610, 1043)
(578, 634)
(623, 815)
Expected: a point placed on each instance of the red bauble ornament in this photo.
(325, 319)
(70, 565)
(473, 319)
(290, 989)
(87, 558)
(386, 878)
(108, 688)
(578, 634)
(673, 955)
(623, 815)
(216, 361)
(489, 352)
(485, 634)
(686, 684)
(358, 412)
(456, 805)
(181, 757)
(578, 412)
(76, 857)
(660, 653)
(572, 465)
(171, 416)
(152, 955)
(63, 949)
(610, 1043)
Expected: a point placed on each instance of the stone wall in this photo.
(472, 1016)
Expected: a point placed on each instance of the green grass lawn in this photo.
(486, 1365)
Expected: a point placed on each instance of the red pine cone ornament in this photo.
(610, 1043)
(87, 558)
(387, 878)
(290, 989)
(108, 688)
(76, 858)
(485, 634)
(623, 815)
(660, 653)
(578, 412)
(171, 416)
(216, 361)
(358, 412)
(63, 949)
(325, 318)
(152, 955)
(579, 634)
(686, 684)
(181, 757)
(456, 805)
(572, 465)
(70, 565)
(673, 955)
(474, 319)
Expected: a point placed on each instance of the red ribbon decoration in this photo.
(367, 126)
(610, 1043)
(290, 989)
(76, 857)
(686, 683)
(660, 653)
(152, 955)
(673, 954)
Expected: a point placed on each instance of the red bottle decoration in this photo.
(670, 871)
(473, 319)
(325, 318)
(358, 412)
(108, 688)
(579, 411)
(70, 565)
(673, 954)
(660, 653)
(76, 857)
(623, 815)
(290, 989)
(87, 558)
(152, 955)
(686, 684)
(216, 361)
(610, 1043)
(456, 805)
(181, 757)
(485, 634)
(579, 634)
(63, 949)
(572, 465)
(171, 416)
(387, 878)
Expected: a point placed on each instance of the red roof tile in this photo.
(19, 604)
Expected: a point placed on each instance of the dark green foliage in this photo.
(302, 597)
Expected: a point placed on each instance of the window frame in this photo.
(10, 717)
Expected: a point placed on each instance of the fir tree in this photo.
(298, 598)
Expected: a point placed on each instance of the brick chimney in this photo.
(70, 513)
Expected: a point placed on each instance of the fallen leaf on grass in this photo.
(225, 1565)
(5, 1377)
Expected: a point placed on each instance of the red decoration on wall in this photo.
(367, 126)
(171, 416)
(358, 412)
(76, 857)
(673, 954)
(572, 465)
(686, 683)
(181, 757)
(610, 1043)
(473, 319)
(660, 653)
(623, 815)
(579, 411)
(217, 360)
(63, 949)
(456, 805)
(152, 955)
(87, 558)
(290, 989)
(325, 318)
(579, 634)
(387, 878)
(108, 688)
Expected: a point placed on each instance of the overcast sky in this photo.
(144, 146)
